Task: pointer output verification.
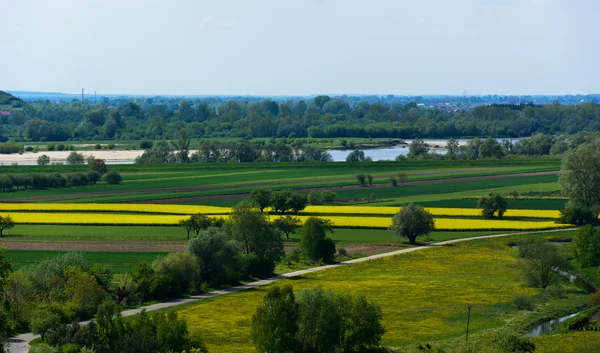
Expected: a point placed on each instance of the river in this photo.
(390, 153)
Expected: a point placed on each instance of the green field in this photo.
(119, 262)
(424, 296)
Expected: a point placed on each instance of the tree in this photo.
(199, 222)
(312, 238)
(188, 224)
(492, 204)
(82, 291)
(587, 246)
(280, 200)
(261, 198)
(182, 268)
(43, 320)
(93, 176)
(287, 225)
(113, 178)
(75, 158)
(98, 165)
(370, 179)
(297, 202)
(411, 222)
(182, 145)
(43, 160)
(257, 237)
(275, 322)
(356, 156)
(19, 293)
(580, 175)
(394, 181)
(361, 179)
(452, 148)
(538, 261)
(217, 256)
(416, 148)
(402, 178)
(5, 223)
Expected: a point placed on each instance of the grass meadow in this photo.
(424, 295)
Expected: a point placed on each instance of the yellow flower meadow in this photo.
(94, 218)
(436, 211)
(115, 207)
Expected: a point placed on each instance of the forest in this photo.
(323, 116)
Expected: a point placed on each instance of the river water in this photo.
(390, 153)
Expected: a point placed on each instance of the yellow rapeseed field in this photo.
(436, 211)
(114, 207)
(94, 218)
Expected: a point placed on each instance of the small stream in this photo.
(548, 326)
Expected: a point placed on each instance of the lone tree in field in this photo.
(287, 225)
(5, 223)
(402, 178)
(411, 222)
(492, 204)
(394, 181)
(361, 179)
(188, 224)
(370, 179)
(261, 198)
(98, 165)
(113, 178)
(580, 180)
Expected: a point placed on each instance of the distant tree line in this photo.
(323, 116)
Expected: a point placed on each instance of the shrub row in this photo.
(55, 180)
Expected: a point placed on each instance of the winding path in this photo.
(19, 344)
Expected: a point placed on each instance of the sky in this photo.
(301, 47)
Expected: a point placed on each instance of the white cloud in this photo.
(539, 3)
(18, 29)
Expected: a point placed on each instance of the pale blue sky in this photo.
(297, 47)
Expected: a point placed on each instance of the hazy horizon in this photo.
(301, 47)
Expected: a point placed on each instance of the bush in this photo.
(43, 160)
(182, 268)
(593, 300)
(587, 246)
(578, 215)
(93, 176)
(97, 146)
(313, 240)
(98, 165)
(145, 145)
(111, 146)
(51, 147)
(43, 348)
(75, 158)
(523, 303)
(343, 252)
(113, 178)
(28, 149)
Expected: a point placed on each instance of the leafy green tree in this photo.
(411, 222)
(43, 320)
(182, 268)
(75, 158)
(361, 179)
(19, 293)
(6, 222)
(356, 156)
(113, 178)
(370, 179)
(417, 148)
(261, 198)
(109, 325)
(394, 181)
(256, 236)
(82, 292)
(538, 261)
(492, 204)
(313, 239)
(287, 225)
(402, 178)
(275, 322)
(580, 175)
(188, 224)
(297, 202)
(199, 222)
(182, 145)
(587, 246)
(280, 200)
(217, 256)
(452, 148)
(93, 176)
(43, 160)
(98, 165)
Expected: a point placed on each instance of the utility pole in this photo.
(468, 322)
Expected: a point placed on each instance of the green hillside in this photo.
(8, 101)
